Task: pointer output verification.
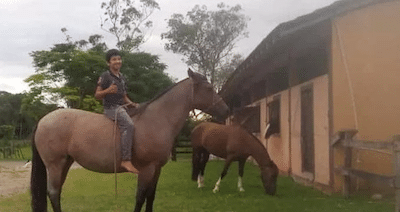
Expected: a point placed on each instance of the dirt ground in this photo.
(15, 177)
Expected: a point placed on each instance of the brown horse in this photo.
(67, 135)
(233, 143)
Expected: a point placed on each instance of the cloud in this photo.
(13, 85)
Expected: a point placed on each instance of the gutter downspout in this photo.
(290, 130)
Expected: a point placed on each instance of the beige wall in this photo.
(321, 130)
(366, 43)
(365, 80)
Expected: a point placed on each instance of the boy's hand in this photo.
(133, 104)
(113, 88)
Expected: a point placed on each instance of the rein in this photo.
(115, 146)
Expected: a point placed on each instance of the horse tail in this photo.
(38, 180)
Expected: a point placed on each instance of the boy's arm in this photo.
(101, 93)
(128, 101)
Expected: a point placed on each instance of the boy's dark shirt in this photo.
(106, 80)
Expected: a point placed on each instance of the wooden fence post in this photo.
(396, 170)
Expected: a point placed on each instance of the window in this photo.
(274, 117)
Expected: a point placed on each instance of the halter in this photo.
(211, 106)
(208, 108)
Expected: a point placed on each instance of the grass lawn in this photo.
(89, 191)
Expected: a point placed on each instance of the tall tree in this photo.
(206, 38)
(127, 20)
(69, 73)
(145, 74)
(65, 72)
(226, 71)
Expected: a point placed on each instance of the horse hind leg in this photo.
(57, 173)
(204, 156)
(241, 172)
(195, 164)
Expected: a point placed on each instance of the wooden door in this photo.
(307, 130)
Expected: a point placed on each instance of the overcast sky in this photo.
(32, 25)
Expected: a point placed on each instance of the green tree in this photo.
(9, 108)
(33, 108)
(206, 38)
(12, 114)
(6, 134)
(127, 20)
(9, 114)
(68, 73)
(145, 74)
(226, 71)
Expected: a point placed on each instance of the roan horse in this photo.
(67, 135)
(233, 143)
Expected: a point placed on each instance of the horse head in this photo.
(205, 98)
(269, 175)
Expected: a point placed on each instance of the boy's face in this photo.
(115, 63)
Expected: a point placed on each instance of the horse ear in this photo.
(193, 76)
(190, 73)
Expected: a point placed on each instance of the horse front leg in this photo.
(228, 162)
(152, 191)
(147, 184)
(241, 172)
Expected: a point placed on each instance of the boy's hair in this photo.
(111, 53)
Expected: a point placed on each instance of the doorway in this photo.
(307, 130)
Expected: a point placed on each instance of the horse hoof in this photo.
(241, 189)
(215, 190)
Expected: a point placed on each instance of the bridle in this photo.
(207, 110)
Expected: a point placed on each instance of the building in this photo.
(336, 68)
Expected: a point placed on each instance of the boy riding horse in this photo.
(111, 88)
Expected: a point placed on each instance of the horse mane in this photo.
(252, 135)
(143, 106)
(259, 142)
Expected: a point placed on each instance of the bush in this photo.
(7, 132)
